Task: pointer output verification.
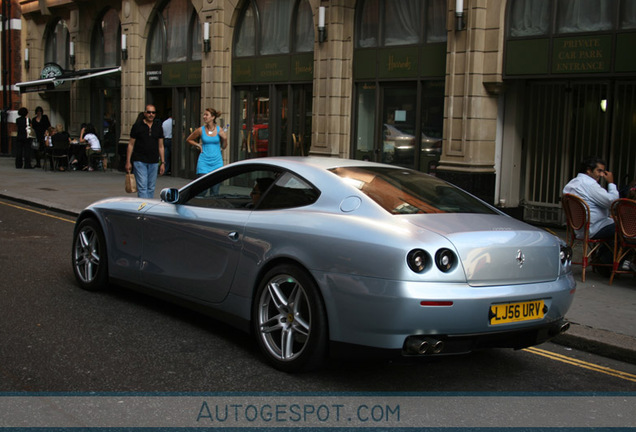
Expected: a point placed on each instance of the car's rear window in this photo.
(404, 191)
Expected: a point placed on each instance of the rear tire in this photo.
(289, 319)
(90, 263)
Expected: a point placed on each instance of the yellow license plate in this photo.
(515, 312)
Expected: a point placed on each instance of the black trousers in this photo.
(23, 154)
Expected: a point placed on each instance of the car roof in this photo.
(319, 162)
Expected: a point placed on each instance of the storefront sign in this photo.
(51, 70)
(302, 67)
(398, 62)
(174, 74)
(582, 54)
(272, 69)
(153, 75)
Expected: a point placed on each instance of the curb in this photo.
(596, 341)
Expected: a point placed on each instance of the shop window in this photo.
(401, 22)
(369, 27)
(575, 16)
(628, 14)
(304, 28)
(530, 17)
(57, 45)
(265, 28)
(106, 41)
(175, 35)
(246, 39)
(275, 18)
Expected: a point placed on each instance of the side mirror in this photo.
(170, 195)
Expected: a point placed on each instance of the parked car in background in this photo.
(323, 257)
(403, 147)
(260, 136)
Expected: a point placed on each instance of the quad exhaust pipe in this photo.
(423, 345)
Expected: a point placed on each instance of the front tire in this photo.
(289, 320)
(90, 264)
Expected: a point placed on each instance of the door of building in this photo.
(186, 112)
(301, 120)
(252, 110)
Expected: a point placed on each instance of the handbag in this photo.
(131, 184)
(35, 145)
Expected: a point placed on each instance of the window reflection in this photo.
(407, 192)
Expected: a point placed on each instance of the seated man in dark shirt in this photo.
(61, 141)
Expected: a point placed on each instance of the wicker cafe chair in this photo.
(577, 215)
(624, 214)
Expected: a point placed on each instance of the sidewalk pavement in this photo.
(602, 317)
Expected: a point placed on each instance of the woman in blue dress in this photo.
(209, 139)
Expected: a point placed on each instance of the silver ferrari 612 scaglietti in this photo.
(324, 257)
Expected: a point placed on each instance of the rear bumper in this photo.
(458, 344)
(383, 313)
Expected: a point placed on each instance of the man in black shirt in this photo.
(145, 150)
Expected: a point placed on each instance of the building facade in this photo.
(500, 97)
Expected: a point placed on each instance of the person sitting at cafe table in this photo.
(89, 136)
(61, 141)
(48, 144)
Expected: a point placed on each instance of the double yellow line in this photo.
(582, 364)
(37, 212)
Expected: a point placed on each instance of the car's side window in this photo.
(251, 188)
(289, 191)
(238, 190)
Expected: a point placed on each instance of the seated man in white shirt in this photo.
(586, 186)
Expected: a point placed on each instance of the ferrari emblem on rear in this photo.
(521, 258)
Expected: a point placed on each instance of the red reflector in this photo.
(436, 303)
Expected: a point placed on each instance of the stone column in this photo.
(473, 81)
(333, 80)
(133, 96)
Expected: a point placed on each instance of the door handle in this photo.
(234, 236)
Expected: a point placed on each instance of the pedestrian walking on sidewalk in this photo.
(145, 150)
(23, 143)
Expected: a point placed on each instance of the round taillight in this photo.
(445, 260)
(417, 260)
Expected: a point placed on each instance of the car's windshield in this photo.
(404, 191)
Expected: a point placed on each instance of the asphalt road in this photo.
(59, 338)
